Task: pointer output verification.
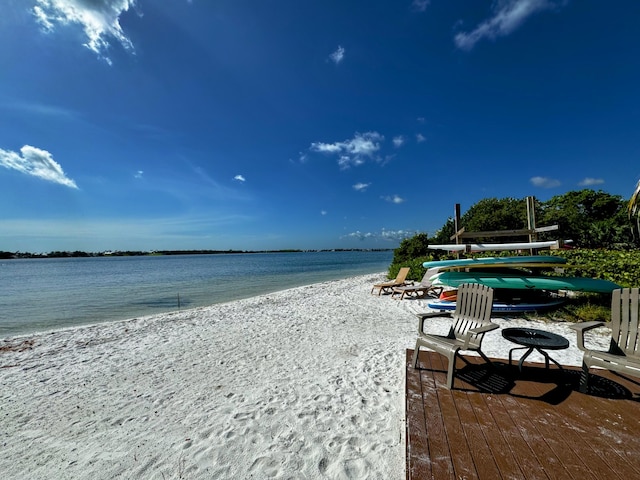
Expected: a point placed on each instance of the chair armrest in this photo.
(475, 331)
(424, 316)
(433, 314)
(485, 328)
(581, 328)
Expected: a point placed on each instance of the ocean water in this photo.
(46, 294)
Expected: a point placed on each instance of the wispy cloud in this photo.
(42, 109)
(397, 235)
(399, 140)
(589, 182)
(36, 162)
(393, 199)
(100, 20)
(240, 178)
(545, 182)
(420, 5)
(507, 16)
(361, 187)
(359, 235)
(323, 212)
(138, 174)
(420, 138)
(388, 235)
(351, 152)
(337, 56)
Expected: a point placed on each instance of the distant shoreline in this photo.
(133, 253)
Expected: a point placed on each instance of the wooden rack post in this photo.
(531, 231)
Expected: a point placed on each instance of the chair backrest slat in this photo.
(624, 321)
(402, 274)
(473, 309)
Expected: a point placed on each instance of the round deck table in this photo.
(533, 339)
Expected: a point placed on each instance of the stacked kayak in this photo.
(515, 281)
(507, 276)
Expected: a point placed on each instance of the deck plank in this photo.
(441, 456)
(535, 424)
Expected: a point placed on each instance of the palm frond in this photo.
(633, 209)
(634, 203)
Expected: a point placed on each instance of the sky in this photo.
(303, 124)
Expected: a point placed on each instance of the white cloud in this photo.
(508, 15)
(100, 20)
(399, 140)
(397, 235)
(393, 199)
(360, 235)
(139, 174)
(361, 187)
(327, 147)
(545, 182)
(240, 178)
(588, 182)
(337, 56)
(345, 161)
(388, 235)
(36, 162)
(420, 138)
(420, 5)
(351, 152)
(323, 212)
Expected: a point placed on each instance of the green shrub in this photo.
(417, 270)
(621, 267)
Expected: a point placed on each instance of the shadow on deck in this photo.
(499, 423)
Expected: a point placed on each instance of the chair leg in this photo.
(584, 378)
(416, 351)
(451, 370)
(485, 358)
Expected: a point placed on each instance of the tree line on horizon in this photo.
(81, 254)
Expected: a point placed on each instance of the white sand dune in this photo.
(303, 383)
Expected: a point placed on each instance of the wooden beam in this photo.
(547, 229)
(496, 233)
(503, 233)
(457, 235)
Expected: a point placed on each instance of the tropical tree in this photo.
(493, 214)
(592, 219)
(410, 248)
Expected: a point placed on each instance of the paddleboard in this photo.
(489, 247)
(497, 261)
(448, 305)
(524, 282)
(514, 266)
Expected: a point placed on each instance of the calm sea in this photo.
(47, 294)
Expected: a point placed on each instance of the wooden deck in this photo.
(498, 423)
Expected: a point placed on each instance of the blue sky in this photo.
(254, 124)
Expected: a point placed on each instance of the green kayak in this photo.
(524, 282)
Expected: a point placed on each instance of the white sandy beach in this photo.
(303, 383)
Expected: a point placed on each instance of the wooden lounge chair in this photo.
(419, 290)
(472, 319)
(398, 282)
(623, 355)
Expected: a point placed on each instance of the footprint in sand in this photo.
(266, 466)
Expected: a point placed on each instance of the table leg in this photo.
(547, 358)
(522, 359)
